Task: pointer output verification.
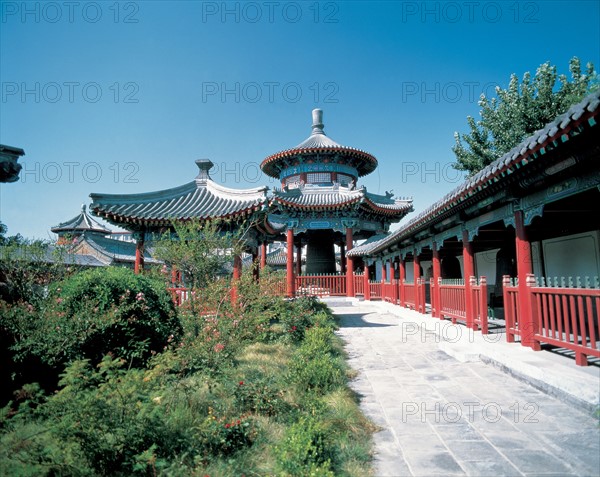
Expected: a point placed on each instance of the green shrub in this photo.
(259, 394)
(320, 373)
(306, 450)
(109, 310)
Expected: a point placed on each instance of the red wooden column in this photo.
(298, 260)
(237, 274)
(383, 273)
(342, 258)
(139, 253)
(417, 275)
(263, 255)
(469, 269)
(366, 284)
(349, 264)
(436, 296)
(392, 278)
(525, 319)
(290, 264)
(402, 265)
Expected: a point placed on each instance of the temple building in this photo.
(151, 213)
(319, 204)
(92, 244)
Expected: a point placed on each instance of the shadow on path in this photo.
(356, 320)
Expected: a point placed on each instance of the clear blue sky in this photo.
(123, 97)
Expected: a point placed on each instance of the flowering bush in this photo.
(222, 436)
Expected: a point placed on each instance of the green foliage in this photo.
(306, 450)
(202, 251)
(28, 266)
(261, 395)
(229, 395)
(518, 111)
(96, 312)
(315, 365)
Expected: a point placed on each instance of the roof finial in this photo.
(205, 165)
(317, 125)
(83, 208)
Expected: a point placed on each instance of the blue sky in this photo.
(123, 97)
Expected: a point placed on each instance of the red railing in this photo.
(359, 284)
(321, 285)
(452, 295)
(453, 299)
(390, 291)
(179, 294)
(510, 292)
(410, 295)
(276, 287)
(376, 290)
(563, 315)
(421, 306)
(480, 303)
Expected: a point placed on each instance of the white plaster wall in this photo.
(485, 265)
(573, 255)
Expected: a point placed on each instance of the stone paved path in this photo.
(441, 417)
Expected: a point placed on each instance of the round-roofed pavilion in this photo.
(319, 204)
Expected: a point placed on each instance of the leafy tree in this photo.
(520, 110)
(202, 251)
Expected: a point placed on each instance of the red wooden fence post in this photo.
(349, 264)
(530, 282)
(483, 313)
(509, 316)
(394, 285)
(524, 268)
(366, 283)
(440, 298)
(139, 253)
(435, 290)
(237, 274)
(402, 277)
(263, 255)
(290, 264)
(469, 269)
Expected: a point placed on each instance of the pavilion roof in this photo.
(114, 250)
(81, 223)
(319, 143)
(200, 199)
(339, 197)
(531, 149)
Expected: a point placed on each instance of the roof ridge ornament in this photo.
(205, 165)
(317, 125)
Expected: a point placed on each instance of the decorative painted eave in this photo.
(319, 143)
(339, 197)
(530, 150)
(80, 223)
(318, 198)
(200, 199)
(385, 204)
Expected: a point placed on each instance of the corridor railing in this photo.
(565, 313)
(321, 285)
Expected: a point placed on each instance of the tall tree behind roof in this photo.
(518, 111)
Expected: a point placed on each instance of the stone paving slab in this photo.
(444, 417)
